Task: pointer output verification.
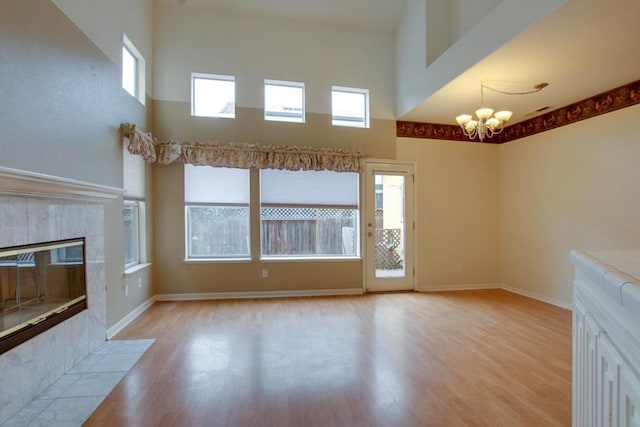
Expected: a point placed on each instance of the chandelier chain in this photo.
(537, 88)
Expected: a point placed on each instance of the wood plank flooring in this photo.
(471, 358)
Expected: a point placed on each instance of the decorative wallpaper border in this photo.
(606, 102)
(434, 131)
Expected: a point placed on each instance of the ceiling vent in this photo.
(537, 110)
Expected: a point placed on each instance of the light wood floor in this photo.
(486, 358)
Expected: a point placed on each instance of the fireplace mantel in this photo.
(16, 182)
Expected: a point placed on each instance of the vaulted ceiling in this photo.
(583, 48)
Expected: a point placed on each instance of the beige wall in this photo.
(510, 214)
(456, 212)
(172, 120)
(575, 187)
(174, 276)
(62, 105)
(200, 40)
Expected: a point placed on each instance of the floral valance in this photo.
(140, 143)
(241, 155)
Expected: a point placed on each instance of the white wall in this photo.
(466, 14)
(448, 21)
(411, 56)
(201, 40)
(439, 34)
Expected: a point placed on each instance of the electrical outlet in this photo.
(126, 290)
(139, 282)
(265, 273)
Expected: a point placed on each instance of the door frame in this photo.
(366, 261)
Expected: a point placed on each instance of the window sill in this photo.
(309, 259)
(270, 259)
(136, 268)
(216, 260)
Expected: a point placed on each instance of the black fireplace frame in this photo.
(41, 324)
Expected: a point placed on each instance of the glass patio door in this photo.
(389, 227)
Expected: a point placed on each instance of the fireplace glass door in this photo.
(37, 284)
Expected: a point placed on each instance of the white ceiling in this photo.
(584, 48)
(371, 15)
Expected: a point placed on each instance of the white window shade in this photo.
(206, 184)
(134, 175)
(321, 188)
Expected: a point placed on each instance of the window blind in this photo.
(308, 187)
(134, 175)
(207, 184)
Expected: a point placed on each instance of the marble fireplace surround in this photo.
(38, 208)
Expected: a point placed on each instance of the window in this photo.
(134, 212)
(132, 216)
(379, 190)
(309, 214)
(68, 255)
(133, 70)
(284, 101)
(213, 95)
(349, 107)
(216, 212)
(129, 72)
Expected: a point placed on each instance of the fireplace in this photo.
(40, 286)
(37, 208)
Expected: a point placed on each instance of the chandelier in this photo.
(487, 123)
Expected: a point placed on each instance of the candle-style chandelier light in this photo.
(487, 123)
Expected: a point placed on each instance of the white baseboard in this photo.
(260, 294)
(552, 301)
(464, 287)
(122, 323)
